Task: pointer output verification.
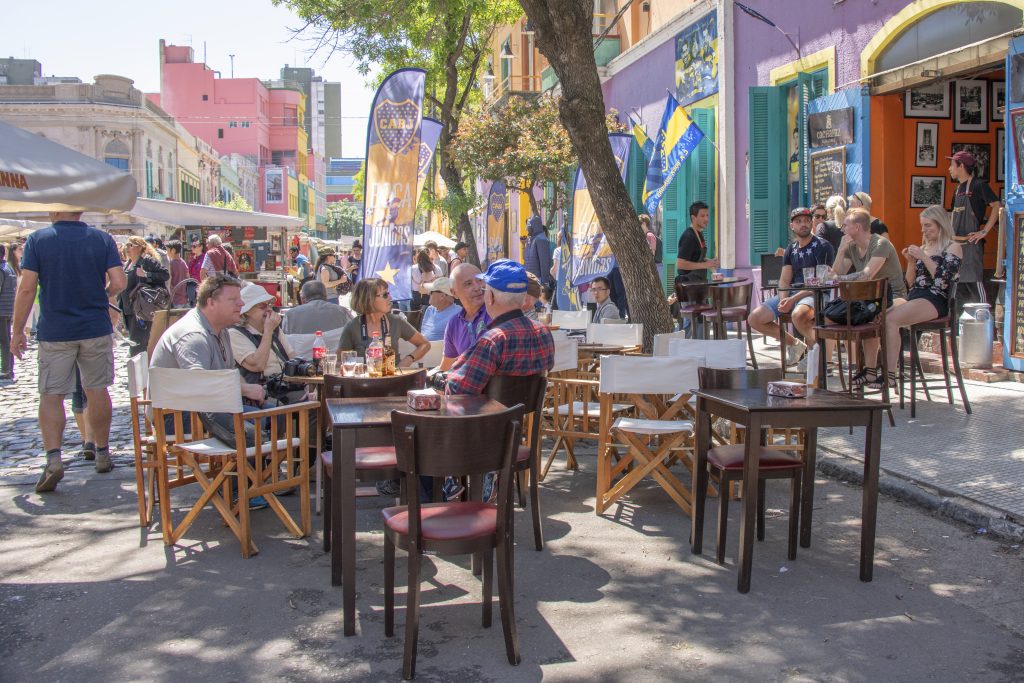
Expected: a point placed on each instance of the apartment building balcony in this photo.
(497, 91)
(604, 52)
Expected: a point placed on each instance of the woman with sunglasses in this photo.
(371, 301)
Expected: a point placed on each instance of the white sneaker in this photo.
(795, 352)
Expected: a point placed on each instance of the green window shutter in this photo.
(767, 170)
(636, 171)
(672, 226)
(805, 90)
(700, 172)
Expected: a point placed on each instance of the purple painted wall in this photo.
(643, 85)
(760, 48)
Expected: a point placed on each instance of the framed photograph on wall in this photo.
(1000, 160)
(998, 100)
(970, 106)
(928, 102)
(982, 157)
(927, 145)
(926, 190)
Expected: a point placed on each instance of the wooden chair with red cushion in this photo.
(528, 390)
(694, 300)
(373, 463)
(459, 446)
(725, 463)
(944, 325)
(731, 305)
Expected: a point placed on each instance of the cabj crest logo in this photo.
(424, 160)
(396, 124)
(497, 206)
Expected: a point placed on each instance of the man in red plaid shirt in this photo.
(513, 344)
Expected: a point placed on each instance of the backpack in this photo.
(146, 300)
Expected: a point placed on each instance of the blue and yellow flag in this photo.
(677, 138)
(645, 143)
(591, 252)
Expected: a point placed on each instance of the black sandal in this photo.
(865, 376)
(877, 384)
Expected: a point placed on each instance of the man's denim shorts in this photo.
(773, 304)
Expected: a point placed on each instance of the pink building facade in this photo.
(238, 116)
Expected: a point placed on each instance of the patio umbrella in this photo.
(38, 175)
(424, 237)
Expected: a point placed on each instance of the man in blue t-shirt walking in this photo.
(808, 251)
(78, 272)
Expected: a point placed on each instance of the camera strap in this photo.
(257, 339)
(383, 327)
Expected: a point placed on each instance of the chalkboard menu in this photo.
(828, 174)
(1017, 291)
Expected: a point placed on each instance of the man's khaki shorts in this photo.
(57, 360)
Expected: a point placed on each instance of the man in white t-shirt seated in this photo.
(442, 308)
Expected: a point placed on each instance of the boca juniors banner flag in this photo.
(591, 253)
(496, 207)
(430, 134)
(393, 154)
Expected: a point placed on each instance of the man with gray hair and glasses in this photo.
(316, 313)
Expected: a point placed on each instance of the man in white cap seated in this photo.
(442, 308)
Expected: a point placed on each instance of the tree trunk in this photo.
(453, 179)
(533, 199)
(564, 37)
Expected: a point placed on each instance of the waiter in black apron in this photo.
(970, 200)
(692, 262)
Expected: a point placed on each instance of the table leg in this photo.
(869, 506)
(344, 482)
(700, 476)
(819, 319)
(748, 509)
(807, 485)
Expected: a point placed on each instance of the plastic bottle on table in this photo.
(319, 352)
(375, 356)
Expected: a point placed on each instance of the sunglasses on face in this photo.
(384, 295)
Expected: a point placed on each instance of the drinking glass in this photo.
(330, 365)
(809, 275)
(348, 362)
(358, 370)
(821, 272)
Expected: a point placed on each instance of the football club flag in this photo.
(645, 143)
(430, 134)
(591, 252)
(393, 159)
(676, 139)
(497, 205)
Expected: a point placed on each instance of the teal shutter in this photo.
(767, 170)
(672, 215)
(700, 175)
(804, 85)
(636, 171)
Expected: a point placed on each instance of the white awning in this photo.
(38, 175)
(11, 229)
(177, 213)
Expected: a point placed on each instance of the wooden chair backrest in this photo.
(867, 291)
(455, 445)
(162, 320)
(371, 387)
(731, 296)
(722, 378)
(693, 292)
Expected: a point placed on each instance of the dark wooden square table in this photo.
(754, 409)
(359, 422)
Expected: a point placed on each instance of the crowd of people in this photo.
(83, 285)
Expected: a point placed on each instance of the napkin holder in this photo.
(424, 399)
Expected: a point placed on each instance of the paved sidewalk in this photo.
(978, 458)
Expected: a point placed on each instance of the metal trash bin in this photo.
(976, 336)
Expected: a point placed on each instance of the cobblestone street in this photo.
(21, 446)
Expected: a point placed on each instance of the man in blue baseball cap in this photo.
(513, 344)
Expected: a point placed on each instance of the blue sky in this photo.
(75, 38)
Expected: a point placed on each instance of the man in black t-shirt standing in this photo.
(692, 263)
(972, 197)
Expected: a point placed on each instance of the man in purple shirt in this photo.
(464, 329)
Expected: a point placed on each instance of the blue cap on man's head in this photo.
(506, 275)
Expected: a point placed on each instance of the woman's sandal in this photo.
(865, 376)
(877, 384)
